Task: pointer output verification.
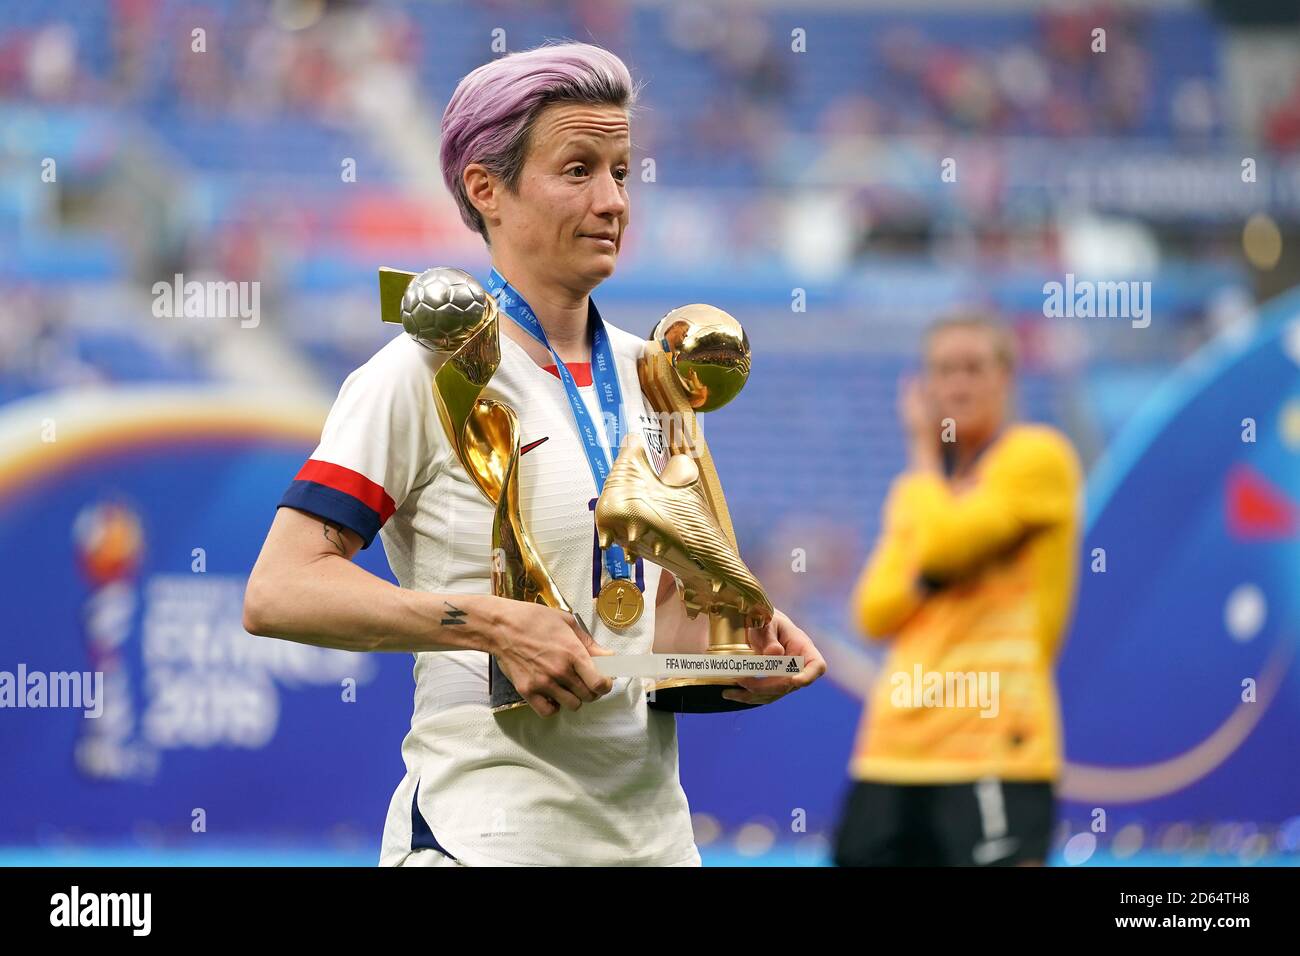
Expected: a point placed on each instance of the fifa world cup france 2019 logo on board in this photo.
(109, 540)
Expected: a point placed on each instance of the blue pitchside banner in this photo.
(1180, 681)
(129, 521)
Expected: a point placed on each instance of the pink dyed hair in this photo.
(492, 112)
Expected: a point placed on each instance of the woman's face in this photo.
(967, 381)
(571, 206)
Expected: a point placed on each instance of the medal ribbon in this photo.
(604, 376)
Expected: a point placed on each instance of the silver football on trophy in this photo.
(442, 307)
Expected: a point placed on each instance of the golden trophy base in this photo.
(679, 695)
(701, 695)
(507, 708)
(695, 695)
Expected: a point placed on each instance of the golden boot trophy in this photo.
(697, 360)
(448, 311)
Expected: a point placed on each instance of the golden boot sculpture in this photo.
(697, 360)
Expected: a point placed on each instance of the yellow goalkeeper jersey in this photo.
(973, 589)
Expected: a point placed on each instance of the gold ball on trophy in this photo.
(710, 353)
(442, 307)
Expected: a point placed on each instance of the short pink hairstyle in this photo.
(492, 112)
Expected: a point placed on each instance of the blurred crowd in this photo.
(800, 145)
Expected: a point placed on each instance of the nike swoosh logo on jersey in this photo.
(531, 445)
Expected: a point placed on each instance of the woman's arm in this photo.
(1031, 482)
(888, 591)
(304, 587)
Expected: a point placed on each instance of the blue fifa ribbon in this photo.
(604, 375)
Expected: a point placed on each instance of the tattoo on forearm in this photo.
(336, 539)
(454, 614)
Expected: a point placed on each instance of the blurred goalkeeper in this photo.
(971, 581)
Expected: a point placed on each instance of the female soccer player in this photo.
(971, 582)
(536, 151)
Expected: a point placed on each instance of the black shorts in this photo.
(988, 823)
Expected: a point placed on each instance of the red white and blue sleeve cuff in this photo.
(340, 495)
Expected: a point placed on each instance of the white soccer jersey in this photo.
(594, 787)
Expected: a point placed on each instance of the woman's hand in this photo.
(920, 424)
(547, 655)
(781, 636)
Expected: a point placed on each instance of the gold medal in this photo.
(619, 604)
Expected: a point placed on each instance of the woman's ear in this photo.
(481, 189)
